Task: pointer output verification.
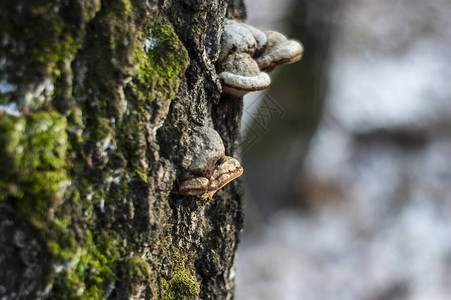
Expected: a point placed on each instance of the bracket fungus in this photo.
(205, 149)
(247, 53)
(242, 75)
(207, 168)
(279, 50)
(236, 38)
(204, 188)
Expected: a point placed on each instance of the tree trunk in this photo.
(97, 102)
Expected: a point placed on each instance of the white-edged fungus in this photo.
(241, 75)
(279, 50)
(259, 36)
(247, 52)
(236, 38)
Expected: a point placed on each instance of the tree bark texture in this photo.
(97, 102)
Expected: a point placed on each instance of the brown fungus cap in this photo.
(279, 50)
(204, 188)
(228, 170)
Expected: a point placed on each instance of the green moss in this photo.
(91, 268)
(136, 269)
(182, 284)
(103, 129)
(38, 45)
(88, 270)
(45, 158)
(141, 175)
(161, 61)
(127, 6)
(33, 154)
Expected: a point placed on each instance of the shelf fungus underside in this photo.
(204, 188)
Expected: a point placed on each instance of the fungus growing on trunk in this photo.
(247, 52)
(204, 188)
(279, 50)
(241, 75)
(207, 168)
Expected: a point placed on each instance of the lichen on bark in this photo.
(97, 102)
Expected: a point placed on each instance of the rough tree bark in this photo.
(97, 102)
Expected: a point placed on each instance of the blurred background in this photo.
(347, 156)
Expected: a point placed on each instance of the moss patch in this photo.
(161, 61)
(33, 157)
(182, 284)
(38, 47)
(88, 270)
(137, 269)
